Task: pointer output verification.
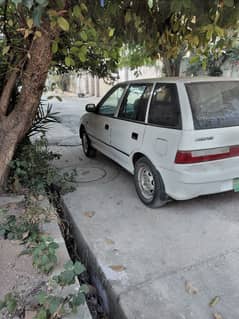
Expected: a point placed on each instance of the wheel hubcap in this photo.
(146, 182)
(85, 143)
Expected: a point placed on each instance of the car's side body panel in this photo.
(95, 127)
(126, 138)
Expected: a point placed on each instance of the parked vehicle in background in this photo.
(179, 137)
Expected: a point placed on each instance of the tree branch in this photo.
(7, 91)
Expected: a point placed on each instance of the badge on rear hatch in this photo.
(236, 184)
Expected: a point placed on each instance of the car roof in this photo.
(182, 80)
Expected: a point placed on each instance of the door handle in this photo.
(134, 136)
(106, 126)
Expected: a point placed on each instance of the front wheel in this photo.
(149, 184)
(88, 150)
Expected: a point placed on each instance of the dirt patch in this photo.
(17, 275)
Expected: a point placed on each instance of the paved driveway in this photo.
(166, 263)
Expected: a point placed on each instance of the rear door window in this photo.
(214, 104)
(164, 108)
(134, 105)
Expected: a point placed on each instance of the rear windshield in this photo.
(214, 104)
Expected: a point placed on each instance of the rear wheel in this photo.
(149, 184)
(88, 150)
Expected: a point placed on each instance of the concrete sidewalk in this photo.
(167, 263)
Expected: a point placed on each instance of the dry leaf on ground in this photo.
(217, 315)
(109, 241)
(190, 288)
(118, 268)
(89, 214)
(214, 301)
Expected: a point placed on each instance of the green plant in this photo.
(32, 169)
(43, 253)
(55, 306)
(43, 119)
(54, 303)
(25, 226)
(13, 228)
(9, 302)
(71, 271)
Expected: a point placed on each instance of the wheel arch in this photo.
(82, 129)
(136, 156)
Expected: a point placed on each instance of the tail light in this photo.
(190, 157)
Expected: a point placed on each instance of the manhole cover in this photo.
(89, 174)
(70, 141)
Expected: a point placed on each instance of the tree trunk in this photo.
(8, 142)
(172, 66)
(14, 126)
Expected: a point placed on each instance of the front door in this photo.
(100, 123)
(128, 128)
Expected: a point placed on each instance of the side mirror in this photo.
(90, 107)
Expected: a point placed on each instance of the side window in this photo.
(110, 103)
(164, 108)
(135, 102)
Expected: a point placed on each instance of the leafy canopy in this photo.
(79, 36)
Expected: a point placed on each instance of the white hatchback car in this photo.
(178, 137)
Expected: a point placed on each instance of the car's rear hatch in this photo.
(213, 146)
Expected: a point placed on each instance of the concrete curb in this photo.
(53, 230)
(110, 300)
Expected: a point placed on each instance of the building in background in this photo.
(86, 84)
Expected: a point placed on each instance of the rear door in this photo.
(164, 126)
(129, 126)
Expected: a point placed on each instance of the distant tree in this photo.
(168, 29)
(211, 63)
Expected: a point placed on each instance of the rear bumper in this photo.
(190, 181)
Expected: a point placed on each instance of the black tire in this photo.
(149, 184)
(88, 150)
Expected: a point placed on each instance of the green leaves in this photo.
(44, 254)
(82, 53)
(51, 306)
(83, 35)
(42, 314)
(150, 3)
(77, 11)
(111, 32)
(194, 59)
(78, 268)
(63, 23)
(37, 15)
(69, 61)
(5, 50)
(54, 47)
(68, 276)
(9, 302)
